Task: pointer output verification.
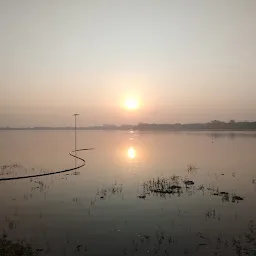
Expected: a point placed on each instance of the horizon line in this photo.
(214, 124)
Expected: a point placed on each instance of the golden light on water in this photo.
(131, 153)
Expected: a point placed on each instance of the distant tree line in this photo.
(213, 125)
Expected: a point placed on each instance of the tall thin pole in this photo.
(75, 115)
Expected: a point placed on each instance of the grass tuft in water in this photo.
(20, 248)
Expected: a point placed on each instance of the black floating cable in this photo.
(52, 173)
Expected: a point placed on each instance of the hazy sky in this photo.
(186, 60)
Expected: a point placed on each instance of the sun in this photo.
(131, 104)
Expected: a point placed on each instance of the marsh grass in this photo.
(19, 248)
(192, 169)
(176, 185)
(164, 243)
(15, 170)
(162, 186)
(107, 192)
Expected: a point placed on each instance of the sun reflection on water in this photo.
(131, 153)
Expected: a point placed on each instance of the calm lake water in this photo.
(130, 198)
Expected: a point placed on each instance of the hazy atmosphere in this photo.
(180, 61)
(127, 127)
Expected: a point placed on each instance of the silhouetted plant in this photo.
(20, 248)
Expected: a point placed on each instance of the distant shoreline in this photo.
(103, 130)
(211, 126)
(139, 130)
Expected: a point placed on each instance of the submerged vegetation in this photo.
(106, 192)
(19, 248)
(163, 242)
(162, 186)
(15, 170)
(176, 185)
(192, 168)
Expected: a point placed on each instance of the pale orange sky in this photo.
(188, 61)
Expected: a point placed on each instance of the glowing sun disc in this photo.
(131, 104)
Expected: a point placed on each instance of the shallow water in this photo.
(104, 209)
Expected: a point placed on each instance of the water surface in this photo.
(108, 207)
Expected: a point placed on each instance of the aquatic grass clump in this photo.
(226, 197)
(142, 196)
(106, 192)
(201, 187)
(9, 169)
(236, 198)
(191, 168)
(163, 186)
(158, 244)
(19, 248)
(188, 182)
(166, 243)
